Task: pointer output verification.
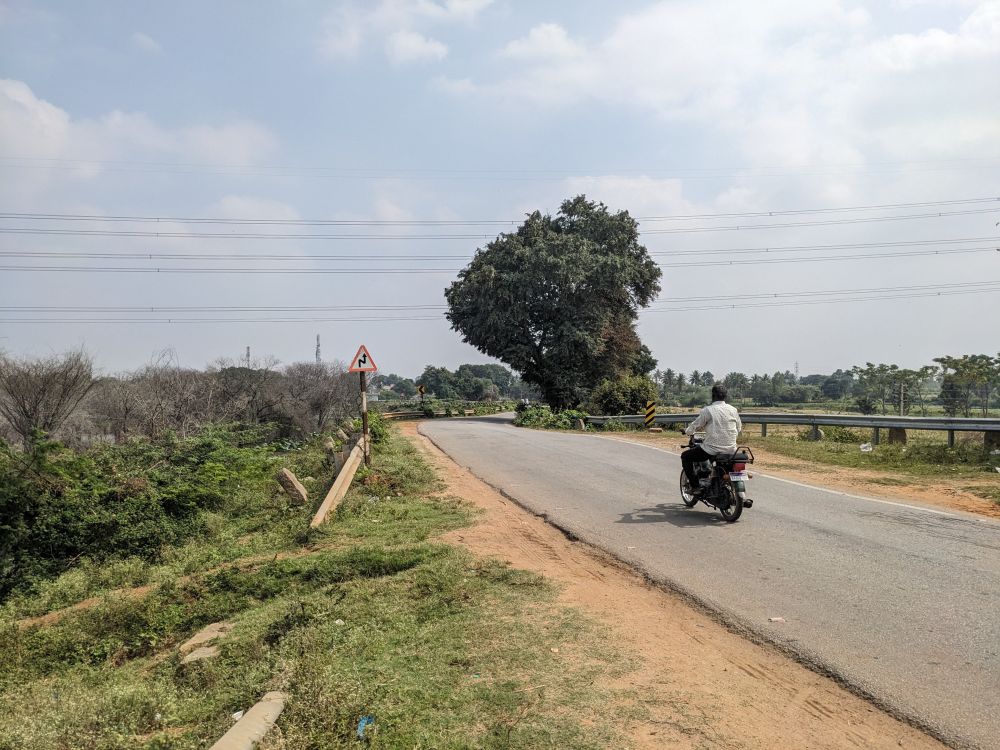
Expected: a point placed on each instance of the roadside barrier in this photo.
(341, 484)
(897, 426)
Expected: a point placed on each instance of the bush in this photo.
(627, 395)
(838, 434)
(615, 425)
(533, 416)
(540, 416)
(58, 505)
(866, 405)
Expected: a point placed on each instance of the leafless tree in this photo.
(319, 394)
(116, 403)
(41, 394)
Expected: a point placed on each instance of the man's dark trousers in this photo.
(689, 458)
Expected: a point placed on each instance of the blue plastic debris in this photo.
(363, 724)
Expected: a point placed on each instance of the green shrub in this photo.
(626, 395)
(615, 425)
(533, 416)
(58, 506)
(838, 434)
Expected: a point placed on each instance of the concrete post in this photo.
(763, 430)
(951, 438)
(876, 436)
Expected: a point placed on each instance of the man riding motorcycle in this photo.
(721, 424)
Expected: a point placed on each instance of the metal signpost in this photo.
(364, 364)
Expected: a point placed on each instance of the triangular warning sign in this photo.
(363, 361)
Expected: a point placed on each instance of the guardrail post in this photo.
(951, 438)
(816, 434)
(876, 436)
(897, 435)
(763, 429)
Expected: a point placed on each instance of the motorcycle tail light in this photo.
(739, 467)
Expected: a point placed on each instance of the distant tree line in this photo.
(961, 386)
(468, 383)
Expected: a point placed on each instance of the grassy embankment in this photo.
(368, 616)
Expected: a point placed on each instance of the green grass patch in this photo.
(371, 617)
(925, 455)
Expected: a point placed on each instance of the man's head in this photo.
(719, 392)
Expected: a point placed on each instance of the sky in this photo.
(837, 160)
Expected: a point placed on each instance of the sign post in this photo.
(364, 364)
(421, 389)
(650, 413)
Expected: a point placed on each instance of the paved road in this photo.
(902, 602)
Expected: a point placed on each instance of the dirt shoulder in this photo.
(882, 484)
(699, 686)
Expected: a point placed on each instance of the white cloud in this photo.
(799, 83)
(145, 43)
(409, 46)
(343, 30)
(395, 22)
(32, 128)
(543, 42)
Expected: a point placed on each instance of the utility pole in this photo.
(318, 360)
(248, 357)
(902, 391)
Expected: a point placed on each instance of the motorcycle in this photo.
(725, 489)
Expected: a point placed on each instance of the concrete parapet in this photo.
(254, 724)
(292, 487)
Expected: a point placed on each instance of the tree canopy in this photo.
(557, 300)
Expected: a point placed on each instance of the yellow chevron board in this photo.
(650, 413)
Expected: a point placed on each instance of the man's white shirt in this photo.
(721, 423)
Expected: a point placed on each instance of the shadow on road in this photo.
(676, 515)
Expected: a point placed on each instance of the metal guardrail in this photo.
(875, 423)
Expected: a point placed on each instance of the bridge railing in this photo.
(897, 426)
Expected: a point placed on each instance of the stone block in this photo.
(292, 487)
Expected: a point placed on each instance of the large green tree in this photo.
(557, 300)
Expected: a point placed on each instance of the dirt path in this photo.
(883, 484)
(703, 686)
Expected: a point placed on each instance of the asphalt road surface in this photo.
(900, 601)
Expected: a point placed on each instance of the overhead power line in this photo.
(493, 174)
(148, 233)
(465, 222)
(786, 303)
(737, 307)
(312, 271)
(463, 256)
(396, 308)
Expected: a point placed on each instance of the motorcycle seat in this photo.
(732, 457)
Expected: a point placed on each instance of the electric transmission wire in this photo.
(283, 271)
(686, 308)
(464, 256)
(368, 236)
(467, 222)
(487, 173)
(387, 308)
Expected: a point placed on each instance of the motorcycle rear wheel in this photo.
(735, 508)
(687, 494)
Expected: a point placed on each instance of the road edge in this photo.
(730, 621)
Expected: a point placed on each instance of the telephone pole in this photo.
(248, 357)
(318, 360)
